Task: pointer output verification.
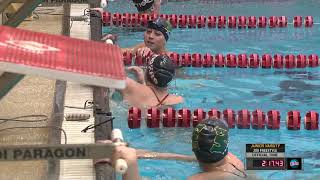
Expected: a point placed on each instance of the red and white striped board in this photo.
(61, 57)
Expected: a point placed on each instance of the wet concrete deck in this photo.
(31, 96)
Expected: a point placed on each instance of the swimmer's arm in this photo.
(180, 99)
(157, 6)
(138, 73)
(141, 80)
(206, 176)
(132, 172)
(144, 154)
(133, 49)
(130, 84)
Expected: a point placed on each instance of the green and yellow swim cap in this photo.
(210, 140)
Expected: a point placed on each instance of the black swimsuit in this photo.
(160, 102)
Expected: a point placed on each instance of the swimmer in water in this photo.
(155, 39)
(152, 91)
(147, 6)
(210, 146)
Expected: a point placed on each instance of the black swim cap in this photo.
(143, 5)
(161, 25)
(210, 140)
(160, 70)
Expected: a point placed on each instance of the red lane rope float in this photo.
(266, 61)
(153, 118)
(258, 119)
(273, 119)
(134, 117)
(293, 120)
(244, 119)
(193, 21)
(230, 117)
(169, 118)
(198, 116)
(184, 117)
(311, 120)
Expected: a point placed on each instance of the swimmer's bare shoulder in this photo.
(213, 176)
(132, 88)
(130, 85)
(216, 175)
(174, 99)
(179, 99)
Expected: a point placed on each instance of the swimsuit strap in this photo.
(244, 175)
(160, 102)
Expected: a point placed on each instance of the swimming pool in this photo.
(221, 88)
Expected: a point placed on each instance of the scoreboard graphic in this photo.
(270, 157)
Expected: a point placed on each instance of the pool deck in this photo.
(37, 95)
(76, 95)
(32, 95)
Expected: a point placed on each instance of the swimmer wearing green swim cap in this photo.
(210, 140)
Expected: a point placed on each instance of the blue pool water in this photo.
(237, 89)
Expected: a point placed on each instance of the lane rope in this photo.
(277, 61)
(194, 21)
(243, 119)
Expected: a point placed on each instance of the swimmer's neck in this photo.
(157, 89)
(207, 167)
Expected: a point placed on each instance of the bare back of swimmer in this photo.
(231, 169)
(160, 72)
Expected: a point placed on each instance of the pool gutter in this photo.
(101, 101)
(57, 118)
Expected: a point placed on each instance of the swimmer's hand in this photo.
(129, 155)
(138, 72)
(113, 37)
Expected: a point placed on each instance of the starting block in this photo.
(60, 57)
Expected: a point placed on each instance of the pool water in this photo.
(221, 88)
